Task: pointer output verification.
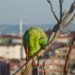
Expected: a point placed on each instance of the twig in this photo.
(73, 17)
(72, 7)
(61, 10)
(58, 27)
(68, 14)
(52, 10)
(68, 55)
(64, 13)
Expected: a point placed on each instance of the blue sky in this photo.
(31, 11)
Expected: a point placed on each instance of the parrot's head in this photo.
(43, 41)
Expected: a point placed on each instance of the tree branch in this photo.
(73, 17)
(72, 7)
(68, 15)
(64, 13)
(61, 10)
(52, 10)
(68, 55)
(59, 26)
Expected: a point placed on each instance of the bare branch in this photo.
(71, 19)
(59, 26)
(68, 15)
(61, 10)
(52, 10)
(72, 7)
(64, 13)
(68, 22)
(68, 55)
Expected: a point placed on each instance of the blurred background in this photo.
(16, 17)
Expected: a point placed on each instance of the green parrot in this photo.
(34, 38)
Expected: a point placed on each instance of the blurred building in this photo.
(11, 47)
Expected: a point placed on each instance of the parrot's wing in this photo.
(42, 33)
(26, 44)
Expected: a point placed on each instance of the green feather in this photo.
(35, 37)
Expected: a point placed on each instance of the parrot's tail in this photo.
(28, 69)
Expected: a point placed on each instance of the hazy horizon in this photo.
(10, 29)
